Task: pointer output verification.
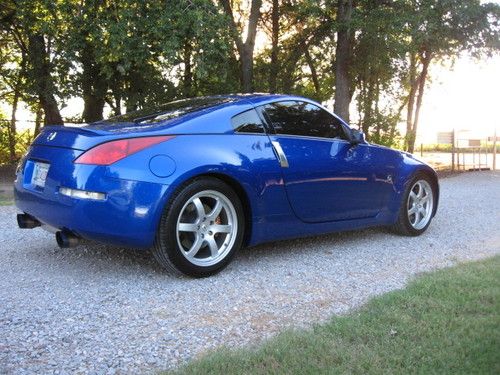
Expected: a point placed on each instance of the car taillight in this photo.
(110, 152)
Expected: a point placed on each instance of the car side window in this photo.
(248, 122)
(304, 119)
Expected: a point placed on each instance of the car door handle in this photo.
(280, 154)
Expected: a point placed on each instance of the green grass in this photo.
(6, 201)
(446, 322)
(447, 148)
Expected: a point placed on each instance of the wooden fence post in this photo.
(453, 150)
(495, 149)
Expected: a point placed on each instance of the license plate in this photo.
(40, 171)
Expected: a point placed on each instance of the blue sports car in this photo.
(197, 179)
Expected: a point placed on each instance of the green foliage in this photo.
(305, 25)
(130, 54)
(23, 140)
(445, 322)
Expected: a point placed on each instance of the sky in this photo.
(463, 97)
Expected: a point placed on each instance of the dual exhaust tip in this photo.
(64, 238)
(26, 221)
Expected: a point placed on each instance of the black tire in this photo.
(403, 225)
(167, 249)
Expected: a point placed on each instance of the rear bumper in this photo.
(128, 216)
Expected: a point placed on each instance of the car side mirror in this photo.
(357, 137)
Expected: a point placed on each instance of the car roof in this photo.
(260, 98)
(185, 110)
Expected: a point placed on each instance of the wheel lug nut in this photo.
(210, 232)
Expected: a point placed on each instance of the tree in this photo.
(83, 37)
(245, 48)
(33, 25)
(13, 71)
(343, 86)
(205, 50)
(376, 65)
(128, 55)
(274, 67)
(440, 30)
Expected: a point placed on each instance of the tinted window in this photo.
(247, 122)
(301, 118)
(169, 110)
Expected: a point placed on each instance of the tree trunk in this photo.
(116, 88)
(247, 70)
(15, 101)
(42, 79)
(38, 120)
(136, 89)
(273, 71)
(289, 68)
(93, 107)
(426, 59)
(245, 49)
(188, 73)
(312, 68)
(368, 118)
(411, 99)
(378, 125)
(247, 62)
(343, 56)
(94, 86)
(12, 127)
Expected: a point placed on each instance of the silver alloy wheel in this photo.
(420, 204)
(206, 228)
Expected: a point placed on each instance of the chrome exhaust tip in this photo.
(25, 221)
(66, 239)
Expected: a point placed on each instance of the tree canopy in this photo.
(371, 57)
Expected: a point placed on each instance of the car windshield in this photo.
(168, 111)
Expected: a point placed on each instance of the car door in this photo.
(326, 177)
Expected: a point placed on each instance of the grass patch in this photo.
(445, 322)
(6, 201)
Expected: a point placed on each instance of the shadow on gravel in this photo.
(331, 242)
(97, 259)
(94, 258)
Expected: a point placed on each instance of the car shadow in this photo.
(327, 242)
(99, 258)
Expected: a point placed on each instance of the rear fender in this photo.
(247, 159)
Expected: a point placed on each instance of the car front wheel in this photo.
(417, 207)
(200, 229)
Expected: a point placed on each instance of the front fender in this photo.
(409, 166)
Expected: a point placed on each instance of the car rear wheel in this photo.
(417, 207)
(200, 229)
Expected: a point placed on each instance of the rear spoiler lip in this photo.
(76, 138)
(84, 139)
(76, 128)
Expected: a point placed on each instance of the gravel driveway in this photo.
(100, 309)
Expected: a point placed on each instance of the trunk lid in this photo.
(76, 138)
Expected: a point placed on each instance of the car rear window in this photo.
(168, 111)
(247, 122)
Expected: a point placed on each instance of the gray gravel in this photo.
(100, 309)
